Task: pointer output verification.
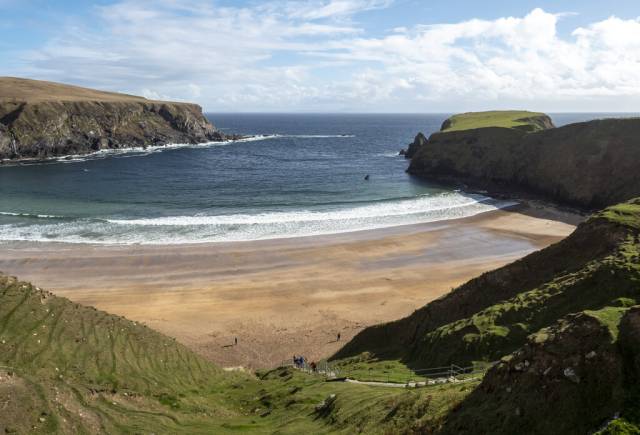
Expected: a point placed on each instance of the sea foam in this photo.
(256, 226)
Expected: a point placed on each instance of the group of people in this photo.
(299, 362)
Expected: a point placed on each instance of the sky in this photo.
(416, 56)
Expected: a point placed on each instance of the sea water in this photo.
(296, 175)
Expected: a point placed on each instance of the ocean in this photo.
(299, 175)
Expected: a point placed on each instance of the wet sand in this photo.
(286, 296)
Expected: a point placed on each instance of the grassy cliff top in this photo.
(15, 89)
(517, 119)
(626, 213)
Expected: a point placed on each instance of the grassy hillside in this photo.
(71, 368)
(66, 368)
(560, 320)
(515, 119)
(35, 91)
(574, 377)
(598, 266)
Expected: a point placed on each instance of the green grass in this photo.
(610, 317)
(505, 119)
(66, 368)
(365, 367)
(620, 427)
(603, 287)
(626, 213)
(598, 267)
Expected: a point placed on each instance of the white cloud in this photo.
(314, 10)
(312, 55)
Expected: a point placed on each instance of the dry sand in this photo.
(286, 296)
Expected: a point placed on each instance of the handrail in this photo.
(420, 377)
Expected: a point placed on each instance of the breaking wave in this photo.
(251, 226)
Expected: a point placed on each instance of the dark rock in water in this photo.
(588, 164)
(402, 152)
(418, 143)
(366, 177)
(42, 120)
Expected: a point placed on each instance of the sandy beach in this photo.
(285, 296)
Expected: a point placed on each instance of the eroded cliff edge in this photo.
(587, 164)
(41, 120)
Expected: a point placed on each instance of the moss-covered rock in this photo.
(566, 379)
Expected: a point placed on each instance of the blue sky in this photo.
(336, 55)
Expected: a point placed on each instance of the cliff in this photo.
(43, 119)
(589, 164)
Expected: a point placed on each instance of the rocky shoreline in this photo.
(587, 165)
(65, 120)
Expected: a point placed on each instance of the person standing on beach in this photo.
(236, 341)
(338, 339)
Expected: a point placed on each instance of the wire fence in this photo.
(417, 377)
(323, 368)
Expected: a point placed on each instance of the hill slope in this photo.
(69, 368)
(555, 317)
(66, 368)
(492, 314)
(574, 377)
(43, 119)
(589, 164)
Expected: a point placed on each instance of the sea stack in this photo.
(419, 141)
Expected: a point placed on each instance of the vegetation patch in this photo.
(515, 119)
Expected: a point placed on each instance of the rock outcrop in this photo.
(415, 146)
(569, 378)
(588, 164)
(42, 120)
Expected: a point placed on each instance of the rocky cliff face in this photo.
(419, 141)
(590, 164)
(89, 121)
(570, 378)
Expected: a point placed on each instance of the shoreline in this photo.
(110, 152)
(535, 208)
(288, 295)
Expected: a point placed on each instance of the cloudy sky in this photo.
(336, 55)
